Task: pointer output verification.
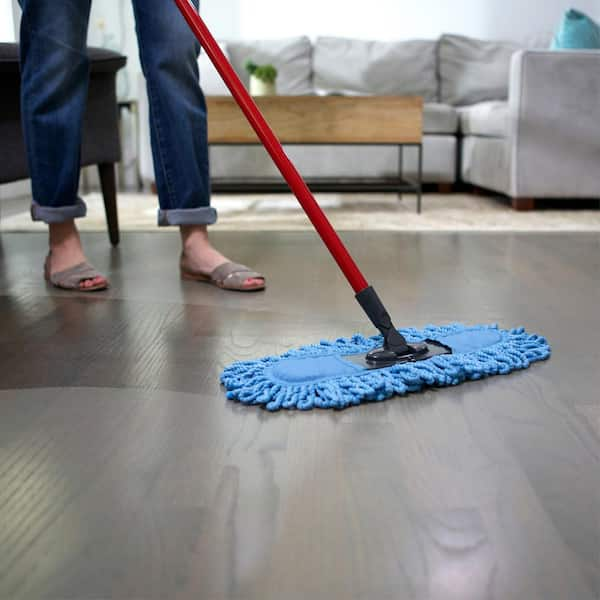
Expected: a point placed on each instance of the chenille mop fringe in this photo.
(254, 382)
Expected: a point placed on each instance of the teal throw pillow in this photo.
(577, 32)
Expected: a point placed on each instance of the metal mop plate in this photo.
(433, 349)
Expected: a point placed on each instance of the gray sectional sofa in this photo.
(517, 120)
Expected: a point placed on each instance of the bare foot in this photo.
(66, 251)
(201, 256)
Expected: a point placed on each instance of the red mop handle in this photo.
(273, 147)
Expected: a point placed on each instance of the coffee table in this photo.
(324, 120)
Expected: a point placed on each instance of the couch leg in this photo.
(523, 203)
(109, 192)
(445, 188)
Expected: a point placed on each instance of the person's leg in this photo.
(178, 129)
(54, 77)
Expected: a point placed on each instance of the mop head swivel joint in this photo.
(395, 347)
(337, 375)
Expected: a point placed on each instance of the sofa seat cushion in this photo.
(343, 65)
(439, 118)
(486, 162)
(292, 57)
(101, 60)
(487, 119)
(9, 58)
(105, 61)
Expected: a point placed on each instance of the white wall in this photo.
(223, 17)
(403, 19)
(7, 26)
(381, 19)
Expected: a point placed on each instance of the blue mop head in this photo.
(318, 377)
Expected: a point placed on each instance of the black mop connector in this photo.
(395, 345)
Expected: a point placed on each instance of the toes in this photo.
(89, 283)
(254, 282)
(98, 281)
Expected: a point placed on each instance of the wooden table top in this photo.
(321, 119)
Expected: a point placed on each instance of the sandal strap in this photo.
(72, 277)
(228, 269)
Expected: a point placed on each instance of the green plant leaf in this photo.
(251, 67)
(266, 73)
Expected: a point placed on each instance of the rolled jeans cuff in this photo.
(58, 214)
(204, 215)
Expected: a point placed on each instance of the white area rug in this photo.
(347, 212)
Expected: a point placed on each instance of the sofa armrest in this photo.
(554, 100)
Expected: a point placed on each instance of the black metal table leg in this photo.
(400, 167)
(420, 179)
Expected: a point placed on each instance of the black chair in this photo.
(100, 144)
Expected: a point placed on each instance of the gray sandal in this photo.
(228, 276)
(71, 279)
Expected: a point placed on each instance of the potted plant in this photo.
(262, 79)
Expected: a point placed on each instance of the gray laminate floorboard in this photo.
(126, 474)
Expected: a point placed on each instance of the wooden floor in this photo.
(126, 474)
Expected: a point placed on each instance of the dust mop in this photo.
(348, 371)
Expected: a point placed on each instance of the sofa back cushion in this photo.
(292, 57)
(473, 70)
(344, 65)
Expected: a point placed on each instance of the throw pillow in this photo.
(577, 32)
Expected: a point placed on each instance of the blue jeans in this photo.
(54, 81)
